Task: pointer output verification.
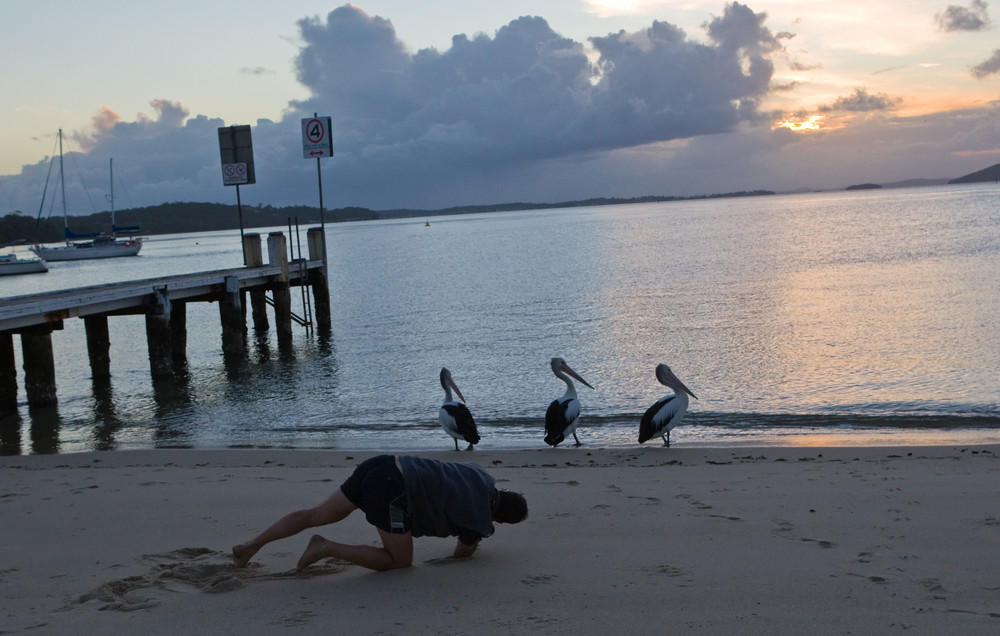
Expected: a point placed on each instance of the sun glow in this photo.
(813, 123)
(609, 8)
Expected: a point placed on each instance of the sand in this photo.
(644, 540)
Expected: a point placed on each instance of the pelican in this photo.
(668, 411)
(455, 418)
(560, 418)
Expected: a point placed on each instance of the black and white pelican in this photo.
(560, 417)
(660, 418)
(454, 416)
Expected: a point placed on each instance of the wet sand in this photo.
(819, 540)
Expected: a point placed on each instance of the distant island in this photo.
(982, 176)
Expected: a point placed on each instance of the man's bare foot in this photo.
(315, 551)
(242, 554)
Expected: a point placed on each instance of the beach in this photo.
(640, 540)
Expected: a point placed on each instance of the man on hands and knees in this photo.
(403, 497)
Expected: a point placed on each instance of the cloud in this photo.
(256, 70)
(529, 92)
(470, 124)
(861, 101)
(523, 114)
(988, 67)
(974, 17)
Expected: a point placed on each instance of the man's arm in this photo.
(463, 551)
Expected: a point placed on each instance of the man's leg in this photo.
(396, 552)
(335, 508)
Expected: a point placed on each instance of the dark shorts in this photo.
(377, 488)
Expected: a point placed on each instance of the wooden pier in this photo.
(163, 302)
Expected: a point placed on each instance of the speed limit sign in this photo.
(316, 138)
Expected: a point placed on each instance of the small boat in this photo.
(85, 246)
(11, 264)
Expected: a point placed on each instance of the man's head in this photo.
(511, 507)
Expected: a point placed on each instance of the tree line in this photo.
(179, 218)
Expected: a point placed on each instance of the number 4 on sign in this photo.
(316, 139)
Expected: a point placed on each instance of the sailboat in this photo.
(98, 245)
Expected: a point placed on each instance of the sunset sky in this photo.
(449, 102)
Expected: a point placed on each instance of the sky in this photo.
(448, 102)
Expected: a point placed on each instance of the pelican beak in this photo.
(681, 385)
(565, 367)
(454, 386)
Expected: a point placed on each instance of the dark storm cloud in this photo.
(861, 101)
(465, 125)
(974, 17)
(528, 92)
(988, 67)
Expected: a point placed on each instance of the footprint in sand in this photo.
(539, 579)
(784, 529)
(189, 570)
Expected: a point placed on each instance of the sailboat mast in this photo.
(62, 184)
(111, 169)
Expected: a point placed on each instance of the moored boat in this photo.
(11, 264)
(93, 245)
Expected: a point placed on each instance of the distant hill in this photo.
(988, 174)
(865, 186)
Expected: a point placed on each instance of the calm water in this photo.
(855, 317)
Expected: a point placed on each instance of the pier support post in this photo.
(318, 280)
(277, 254)
(39, 366)
(258, 297)
(158, 336)
(98, 346)
(231, 315)
(8, 375)
(178, 333)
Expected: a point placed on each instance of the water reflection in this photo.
(10, 434)
(45, 426)
(106, 420)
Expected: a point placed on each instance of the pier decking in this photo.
(163, 302)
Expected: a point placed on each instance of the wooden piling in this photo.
(178, 333)
(39, 366)
(258, 297)
(277, 253)
(158, 336)
(231, 315)
(98, 346)
(318, 278)
(8, 375)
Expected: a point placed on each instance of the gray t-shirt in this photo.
(448, 499)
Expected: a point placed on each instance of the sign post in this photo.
(236, 151)
(317, 141)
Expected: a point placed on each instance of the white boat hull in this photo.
(14, 265)
(82, 251)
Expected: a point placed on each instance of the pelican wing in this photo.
(457, 421)
(559, 418)
(658, 418)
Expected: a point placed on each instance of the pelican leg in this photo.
(578, 442)
(456, 443)
(666, 439)
(470, 446)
